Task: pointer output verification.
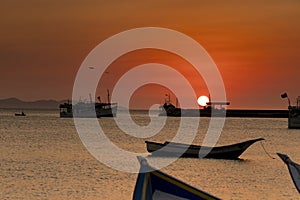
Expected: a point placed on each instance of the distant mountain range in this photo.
(42, 104)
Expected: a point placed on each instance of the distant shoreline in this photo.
(14, 103)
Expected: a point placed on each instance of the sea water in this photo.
(42, 157)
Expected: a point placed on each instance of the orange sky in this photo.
(255, 44)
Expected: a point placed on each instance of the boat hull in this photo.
(20, 115)
(169, 149)
(294, 123)
(84, 110)
(225, 113)
(294, 118)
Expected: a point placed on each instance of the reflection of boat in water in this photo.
(88, 110)
(170, 149)
(20, 114)
(294, 113)
(217, 109)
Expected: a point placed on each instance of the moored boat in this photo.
(294, 117)
(88, 109)
(215, 109)
(294, 113)
(218, 109)
(170, 149)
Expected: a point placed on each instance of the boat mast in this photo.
(284, 95)
(108, 96)
(91, 101)
(168, 99)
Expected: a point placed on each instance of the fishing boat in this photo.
(294, 113)
(217, 109)
(294, 169)
(294, 117)
(168, 109)
(20, 114)
(88, 109)
(171, 149)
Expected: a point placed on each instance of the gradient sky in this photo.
(255, 44)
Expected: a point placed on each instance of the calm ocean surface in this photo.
(42, 157)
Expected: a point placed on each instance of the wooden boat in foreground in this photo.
(294, 169)
(170, 149)
(152, 183)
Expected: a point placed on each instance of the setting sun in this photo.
(203, 100)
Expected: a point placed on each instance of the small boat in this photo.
(172, 149)
(294, 113)
(294, 169)
(20, 114)
(155, 184)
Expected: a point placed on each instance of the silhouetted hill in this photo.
(17, 103)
